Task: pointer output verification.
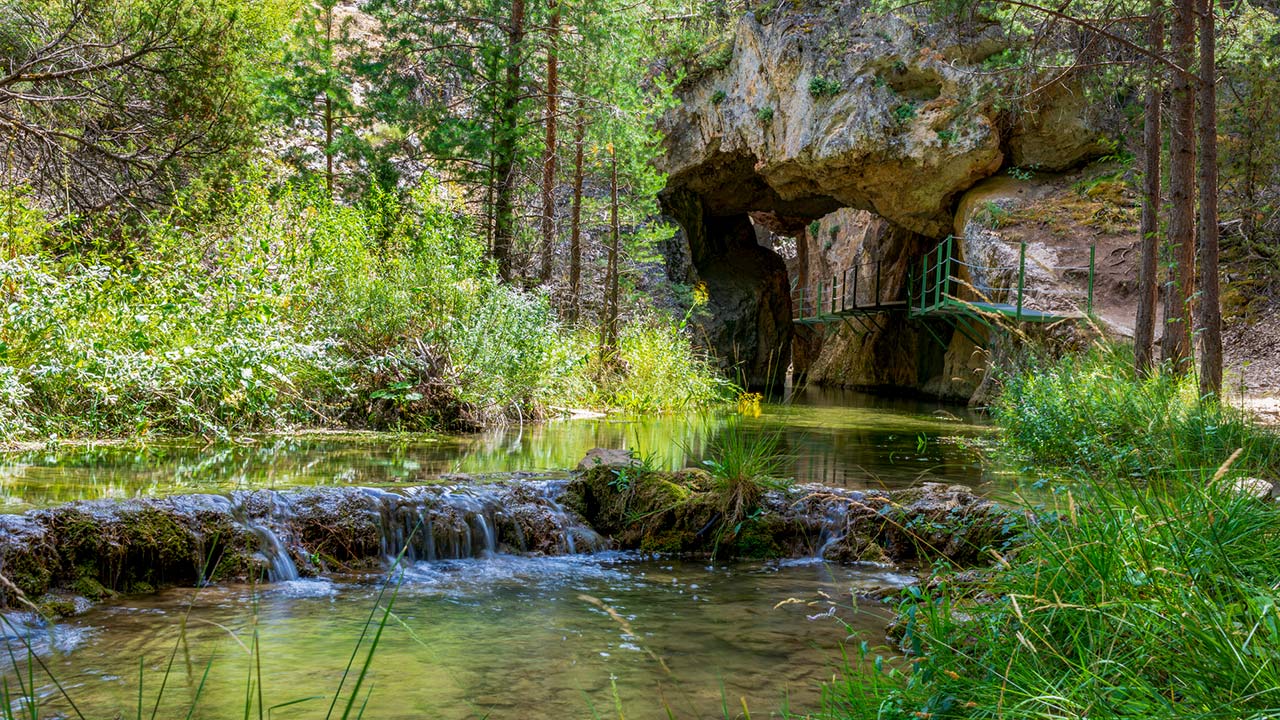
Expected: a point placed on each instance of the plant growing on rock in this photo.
(765, 114)
(744, 466)
(1023, 173)
(904, 112)
(821, 87)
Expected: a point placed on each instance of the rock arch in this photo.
(823, 110)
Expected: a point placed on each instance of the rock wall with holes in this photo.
(859, 136)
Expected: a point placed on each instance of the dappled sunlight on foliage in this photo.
(294, 310)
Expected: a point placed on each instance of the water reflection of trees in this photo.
(879, 442)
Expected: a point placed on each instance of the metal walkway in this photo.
(935, 290)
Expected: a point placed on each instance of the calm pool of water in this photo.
(837, 438)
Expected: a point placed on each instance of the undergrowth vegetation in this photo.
(1146, 589)
(289, 309)
(1088, 413)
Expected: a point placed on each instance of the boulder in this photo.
(606, 457)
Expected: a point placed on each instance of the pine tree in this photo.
(1149, 229)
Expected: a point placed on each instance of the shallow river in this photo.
(837, 438)
(606, 635)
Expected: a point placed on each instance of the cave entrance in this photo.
(760, 258)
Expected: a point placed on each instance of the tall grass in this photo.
(1089, 413)
(744, 465)
(288, 309)
(1150, 587)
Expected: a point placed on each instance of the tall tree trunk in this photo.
(549, 152)
(575, 221)
(328, 102)
(1182, 179)
(609, 341)
(1144, 328)
(1210, 310)
(505, 139)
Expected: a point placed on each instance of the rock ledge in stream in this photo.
(56, 558)
(681, 512)
(99, 548)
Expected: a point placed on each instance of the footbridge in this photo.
(970, 297)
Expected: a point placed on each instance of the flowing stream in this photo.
(472, 631)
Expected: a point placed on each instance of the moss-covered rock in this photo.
(935, 521)
(341, 528)
(28, 559)
(680, 513)
(668, 512)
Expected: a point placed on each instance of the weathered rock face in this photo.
(892, 130)
(823, 107)
(1066, 221)
(887, 350)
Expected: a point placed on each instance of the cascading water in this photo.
(421, 524)
(834, 526)
(272, 548)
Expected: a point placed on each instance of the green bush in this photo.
(293, 310)
(1090, 412)
(657, 371)
(822, 87)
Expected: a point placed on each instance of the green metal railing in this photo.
(843, 295)
(935, 287)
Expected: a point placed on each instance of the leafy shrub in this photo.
(765, 114)
(822, 87)
(658, 371)
(294, 310)
(1090, 411)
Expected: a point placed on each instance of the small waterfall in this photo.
(429, 524)
(834, 526)
(490, 538)
(280, 565)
